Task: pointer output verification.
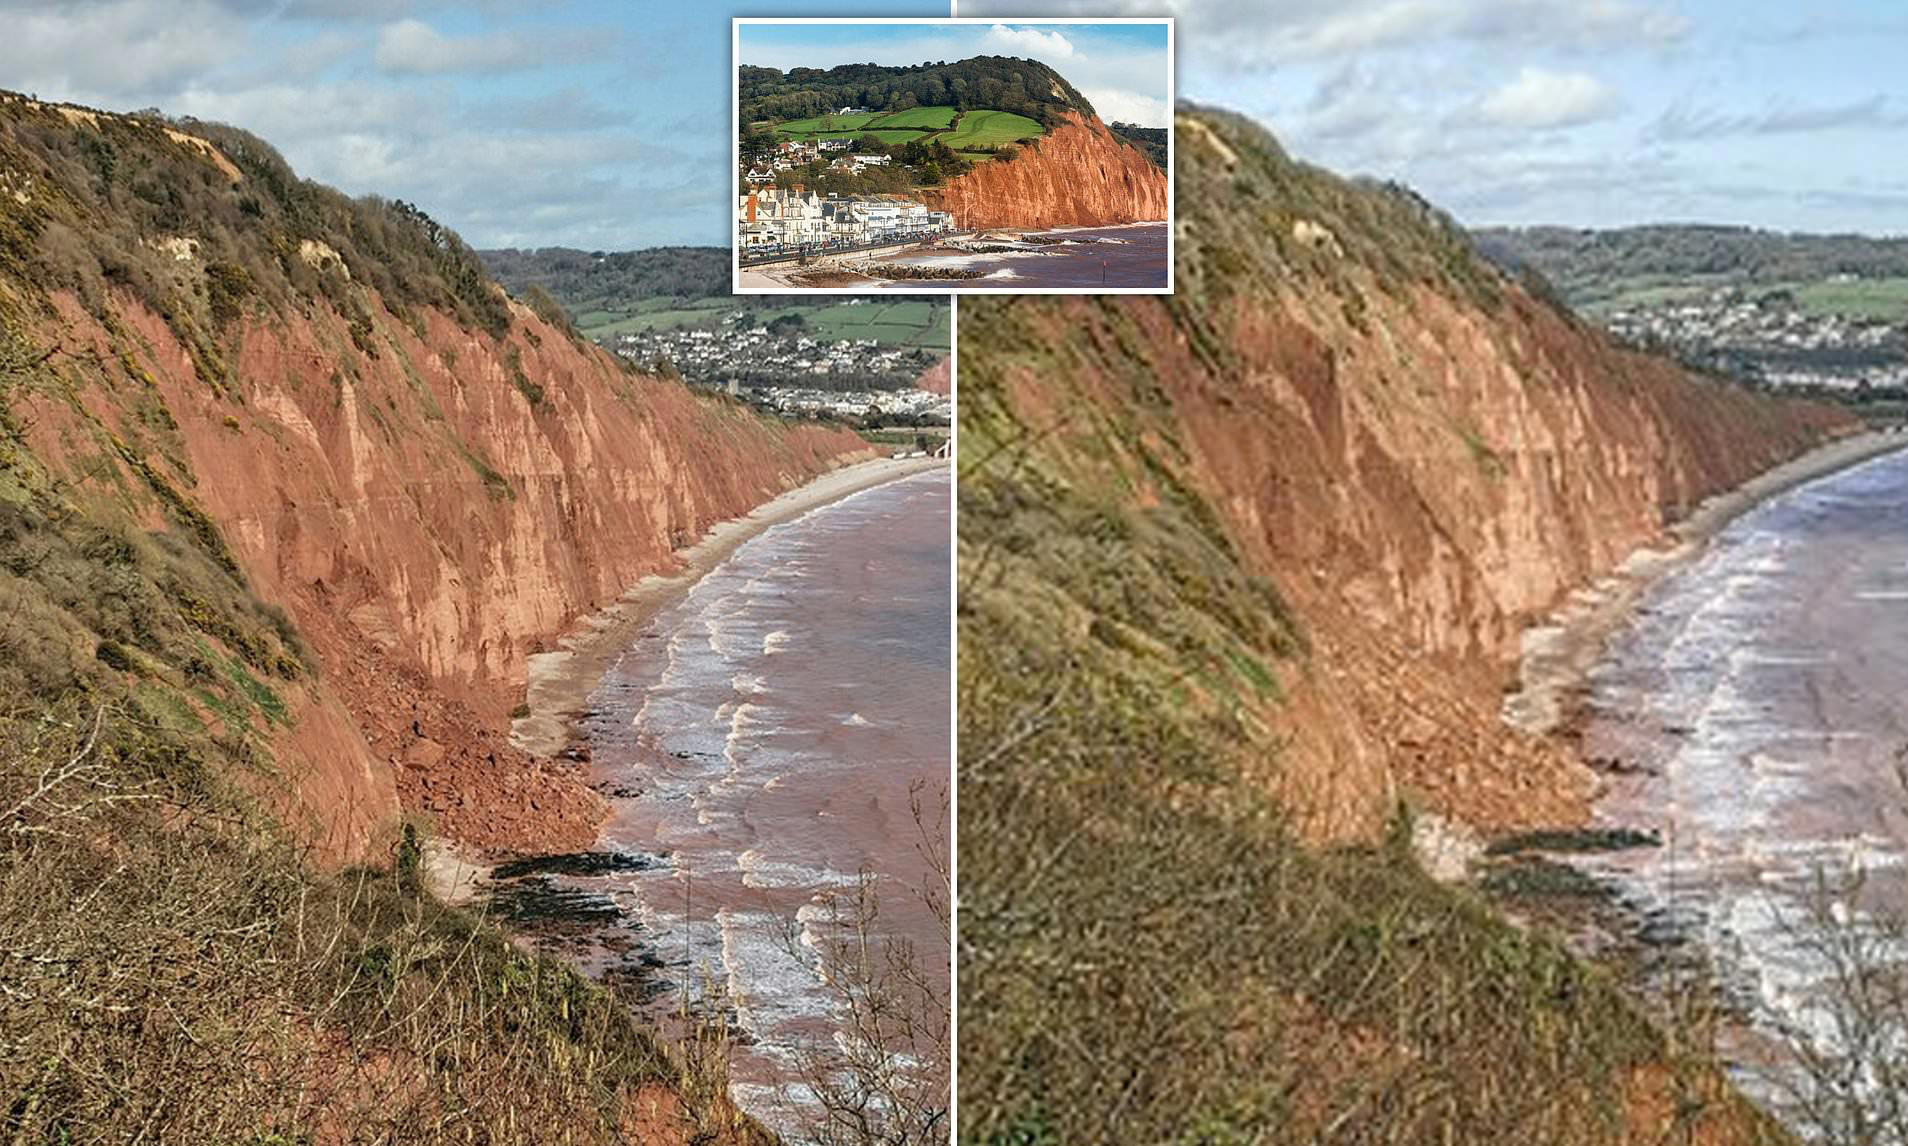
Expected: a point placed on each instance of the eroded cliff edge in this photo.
(1420, 456)
(433, 481)
(1077, 175)
(1243, 572)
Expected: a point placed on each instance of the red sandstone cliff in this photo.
(428, 526)
(1076, 175)
(938, 378)
(1422, 458)
(431, 497)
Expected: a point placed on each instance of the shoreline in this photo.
(835, 272)
(1558, 651)
(558, 683)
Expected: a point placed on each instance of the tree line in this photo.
(1001, 83)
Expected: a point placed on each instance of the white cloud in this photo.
(1005, 41)
(412, 47)
(1541, 98)
(115, 48)
(1114, 105)
(1684, 121)
(1253, 34)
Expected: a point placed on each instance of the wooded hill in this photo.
(1575, 258)
(1004, 83)
(583, 281)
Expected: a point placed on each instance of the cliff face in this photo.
(1420, 457)
(1077, 175)
(1243, 571)
(938, 378)
(432, 496)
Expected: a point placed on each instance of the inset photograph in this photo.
(953, 155)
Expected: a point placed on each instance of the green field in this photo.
(989, 129)
(973, 132)
(826, 123)
(653, 314)
(1885, 299)
(909, 323)
(885, 136)
(936, 117)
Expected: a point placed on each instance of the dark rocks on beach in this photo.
(576, 863)
(909, 271)
(1536, 877)
(1577, 840)
(541, 906)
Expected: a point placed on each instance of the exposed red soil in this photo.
(430, 513)
(938, 378)
(1077, 175)
(1419, 489)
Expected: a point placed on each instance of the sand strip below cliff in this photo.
(1558, 654)
(561, 681)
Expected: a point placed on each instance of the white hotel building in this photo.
(777, 218)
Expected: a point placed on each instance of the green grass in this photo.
(699, 313)
(989, 129)
(885, 136)
(939, 117)
(828, 123)
(909, 323)
(1885, 299)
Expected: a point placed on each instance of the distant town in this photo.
(779, 366)
(775, 219)
(1767, 337)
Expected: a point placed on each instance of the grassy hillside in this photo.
(1149, 952)
(983, 129)
(179, 964)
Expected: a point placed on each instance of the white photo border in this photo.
(735, 154)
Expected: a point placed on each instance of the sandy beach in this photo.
(559, 682)
(1558, 653)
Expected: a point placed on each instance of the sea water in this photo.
(1084, 258)
(766, 739)
(1758, 707)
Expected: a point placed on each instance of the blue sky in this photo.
(585, 123)
(1120, 68)
(1586, 112)
(598, 124)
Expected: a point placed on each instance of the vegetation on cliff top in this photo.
(98, 201)
(1151, 140)
(1006, 83)
(1147, 952)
